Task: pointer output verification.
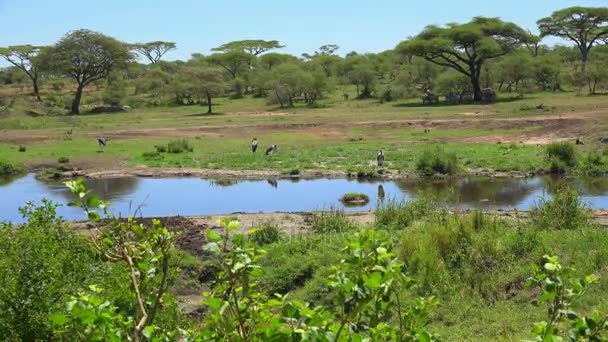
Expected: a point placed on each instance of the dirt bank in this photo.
(143, 171)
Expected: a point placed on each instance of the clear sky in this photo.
(303, 25)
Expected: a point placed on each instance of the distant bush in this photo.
(332, 222)
(293, 172)
(437, 161)
(593, 164)
(10, 169)
(354, 198)
(179, 146)
(22, 148)
(63, 160)
(224, 182)
(160, 148)
(564, 211)
(563, 152)
(49, 173)
(265, 234)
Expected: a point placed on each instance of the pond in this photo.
(195, 196)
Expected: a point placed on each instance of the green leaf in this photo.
(94, 216)
(373, 280)
(147, 332)
(233, 225)
(59, 319)
(212, 235)
(93, 201)
(547, 296)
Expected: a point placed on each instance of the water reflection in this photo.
(194, 196)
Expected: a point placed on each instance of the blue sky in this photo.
(303, 26)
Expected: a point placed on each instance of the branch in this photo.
(140, 301)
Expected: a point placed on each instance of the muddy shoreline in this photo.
(294, 223)
(143, 171)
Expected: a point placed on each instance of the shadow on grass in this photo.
(205, 114)
(442, 104)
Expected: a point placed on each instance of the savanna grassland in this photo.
(337, 136)
(483, 97)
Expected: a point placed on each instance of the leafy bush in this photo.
(564, 211)
(334, 221)
(63, 160)
(43, 262)
(22, 148)
(179, 146)
(265, 234)
(10, 169)
(563, 152)
(437, 161)
(160, 148)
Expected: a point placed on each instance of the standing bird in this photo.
(380, 158)
(254, 145)
(101, 141)
(272, 149)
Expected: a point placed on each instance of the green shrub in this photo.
(334, 221)
(557, 166)
(63, 160)
(265, 234)
(152, 155)
(293, 172)
(49, 173)
(593, 164)
(399, 215)
(437, 161)
(354, 198)
(564, 211)
(10, 169)
(43, 262)
(22, 148)
(160, 148)
(179, 146)
(563, 151)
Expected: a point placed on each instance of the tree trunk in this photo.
(36, 90)
(76, 101)
(476, 88)
(209, 110)
(276, 92)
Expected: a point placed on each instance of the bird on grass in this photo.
(254, 145)
(380, 158)
(272, 149)
(102, 141)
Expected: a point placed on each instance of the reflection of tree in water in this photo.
(591, 186)
(6, 180)
(107, 189)
(471, 190)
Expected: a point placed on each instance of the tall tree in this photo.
(208, 83)
(86, 56)
(465, 47)
(585, 26)
(327, 49)
(24, 57)
(251, 46)
(153, 51)
(234, 62)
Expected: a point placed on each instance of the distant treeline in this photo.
(452, 59)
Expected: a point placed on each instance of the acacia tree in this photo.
(208, 82)
(585, 26)
(153, 51)
(24, 58)
(252, 46)
(465, 47)
(86, 56)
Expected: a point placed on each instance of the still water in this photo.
(195, 196)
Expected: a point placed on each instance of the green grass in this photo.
(304, 142)
(476, 266)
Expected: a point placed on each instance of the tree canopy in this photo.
(585, 26)
(86, 56)
(153, 51)
(24, 57)
(465, 47)
(251, 46)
